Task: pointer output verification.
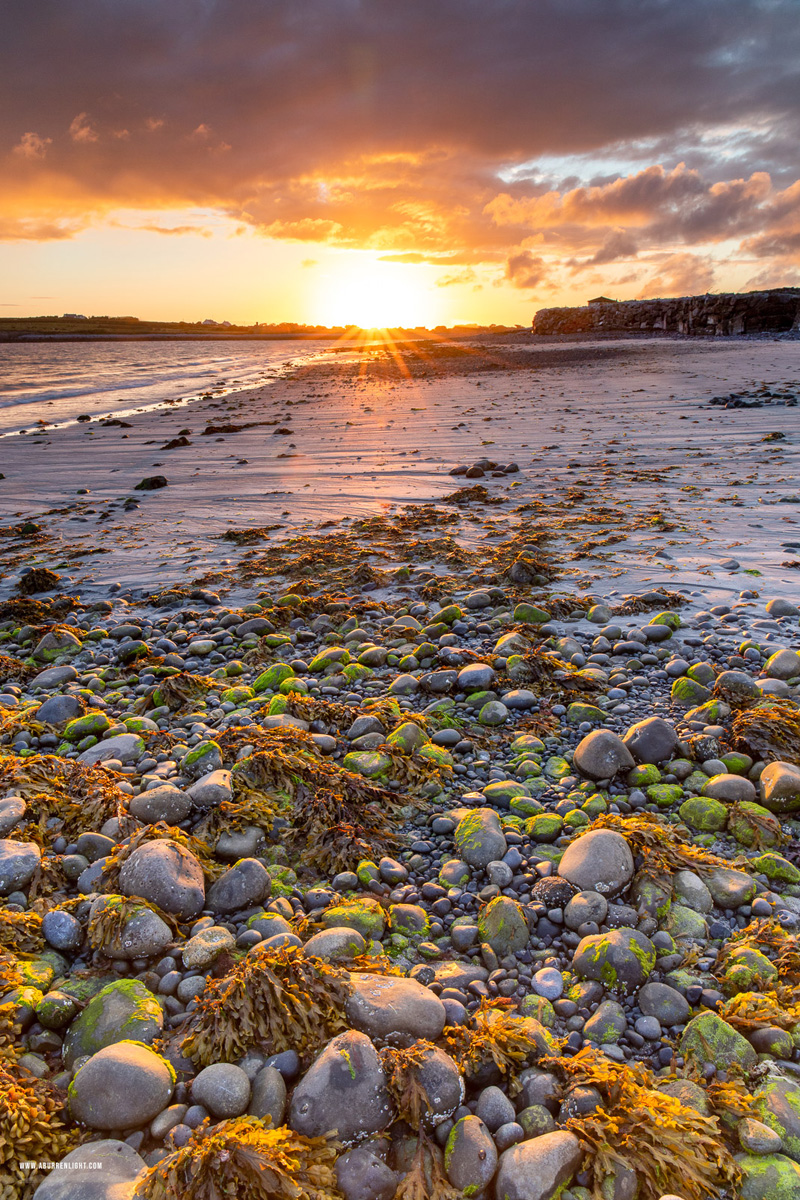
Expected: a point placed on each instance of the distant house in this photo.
(208, 321)
(601, 300)
(74, 317)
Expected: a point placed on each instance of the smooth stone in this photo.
(121, 1087)
(268, 1096)
(599, 861)
(103, 1170)
(167, 875)
(539, 1168)
(222, 1088)
(343, 1092)
(394, 1010)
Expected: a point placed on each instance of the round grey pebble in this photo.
(223, 1089)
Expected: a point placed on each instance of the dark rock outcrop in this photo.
(773, 311)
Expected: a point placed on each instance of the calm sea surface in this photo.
(58, 381)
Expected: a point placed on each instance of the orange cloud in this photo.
(453, 134)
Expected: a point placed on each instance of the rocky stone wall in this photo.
(774, 311)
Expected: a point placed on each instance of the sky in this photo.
(393, 161)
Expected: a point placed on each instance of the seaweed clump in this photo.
(426, 1178)
(497, 1034)
(38, 579)
(81, 797)
(336, 817)
(663, 847)
(670, 1147)
(31, 1128)
(273, 1000)
(769, 936)
(175, 692)
(747, 1011)
(108, 920)
(769, 730)
(21, 931)
(403, 1067)
(242, 1158)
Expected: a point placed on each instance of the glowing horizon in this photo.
(439, 165)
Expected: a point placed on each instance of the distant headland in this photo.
(776, 310)
(75, 327)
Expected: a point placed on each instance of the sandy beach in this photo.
(613, 441)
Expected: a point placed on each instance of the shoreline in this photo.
(365, 437)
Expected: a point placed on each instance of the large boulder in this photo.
(778, 1106)
(602, 755)
(165, 803)
(391, 1009)
(103, 1170)
(122, 1010)
(707, 1038)
(599, 861)
(538, 1169)
(18, 864)
(121, 1087)
(343, 1092)
(167, 875)
(766, 1177)
(245, 884)
(211, 789)
(783, 664)
(621, 959)
(127, 747)
(479, 838)
(651, 741)
(780, 787)
(58, 710)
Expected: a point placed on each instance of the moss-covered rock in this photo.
(687, 692)
(751, 824)
(557, 767)
(479, 838)
(664, 794)
(525, 806)
(91, 724)
(768, 1177)
(621, 959)
(748, 970)
(124, 1010)
(544, 827)
(271, 679)
(643, 776)
(330, 659)
(778, 1106)
(202, 759)
(776, 868)
(363, 914)
(578, 712)
(501, 792)
(529, 614)
(503, 925)
(372, 764)
(707, 1038)
(684, 924)
(704, 814)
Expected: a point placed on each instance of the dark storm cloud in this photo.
(373, 123)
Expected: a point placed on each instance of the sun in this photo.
(373, 294)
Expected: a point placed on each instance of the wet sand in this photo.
(625, 472)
